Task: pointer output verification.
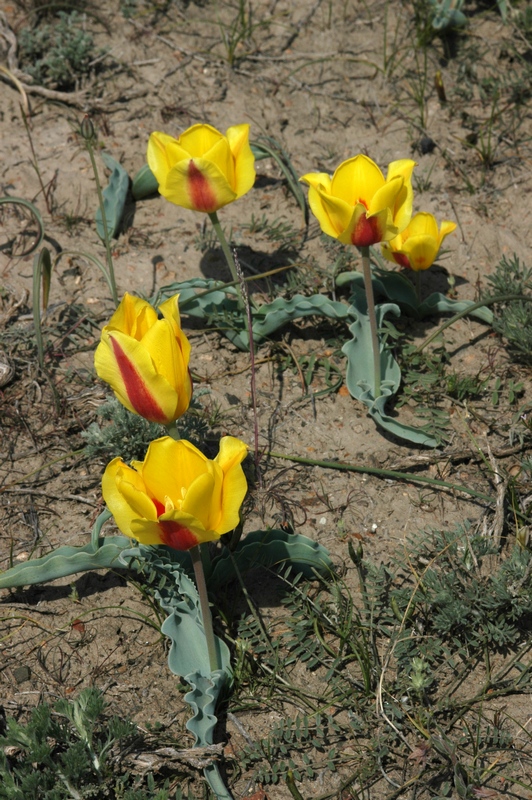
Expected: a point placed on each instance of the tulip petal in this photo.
(127, 367)
(238, 138)
(385, 197)
(169, 362)
(334, 215)
(163, 153)
(422, 224)
(170, 467)
(395, 256)
(234, 487)
(115, 477)
(357, 180)
(197, 184)
(220, 155)
(403, 167)
(421, 251)
(133, 316)
(197, 140)
(177, 530)
(199, 501)
(170, 311)
(402, 210)
(447, 227)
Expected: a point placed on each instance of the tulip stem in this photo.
(206, 616)
(225, 248)
(368, 285)
(243, 295)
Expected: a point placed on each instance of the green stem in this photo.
(225, 248)
(109, 257)
(366, 268)
(197, 563)
(173, 431)
(384, 473)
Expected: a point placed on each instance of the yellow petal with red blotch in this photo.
(220, 155)
(357, 180)
(390, 253)
(244, 160)
(363, 230)
(163, 153)
(128, 368)
(133, 316)
(234, 485)
(421, 251)
(177, 530)
(170, 467)
(199, 185)
(199, 139)
(126, 505)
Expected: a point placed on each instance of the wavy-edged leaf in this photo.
(114, 198)
(218, 303)
(360, 377)
(398, 289)
(102, 552)
(274, 549)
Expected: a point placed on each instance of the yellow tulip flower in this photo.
(417, 247)
(203, 170)
(177, 496)
(145, 359)
(358, 205)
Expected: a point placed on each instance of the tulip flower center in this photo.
(201, 193)
(366, 231)
(175, 535)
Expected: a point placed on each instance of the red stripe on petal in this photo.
(366, 232)
(201, 194)
(175, 535)
(137, 391)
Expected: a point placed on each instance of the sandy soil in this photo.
(326, 80)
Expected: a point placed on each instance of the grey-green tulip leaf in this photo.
(114, 198)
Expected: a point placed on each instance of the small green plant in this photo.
(58, 54)
(72, 750)
(120, 433)
(412, 640)
(239, 31)
(513, 318)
